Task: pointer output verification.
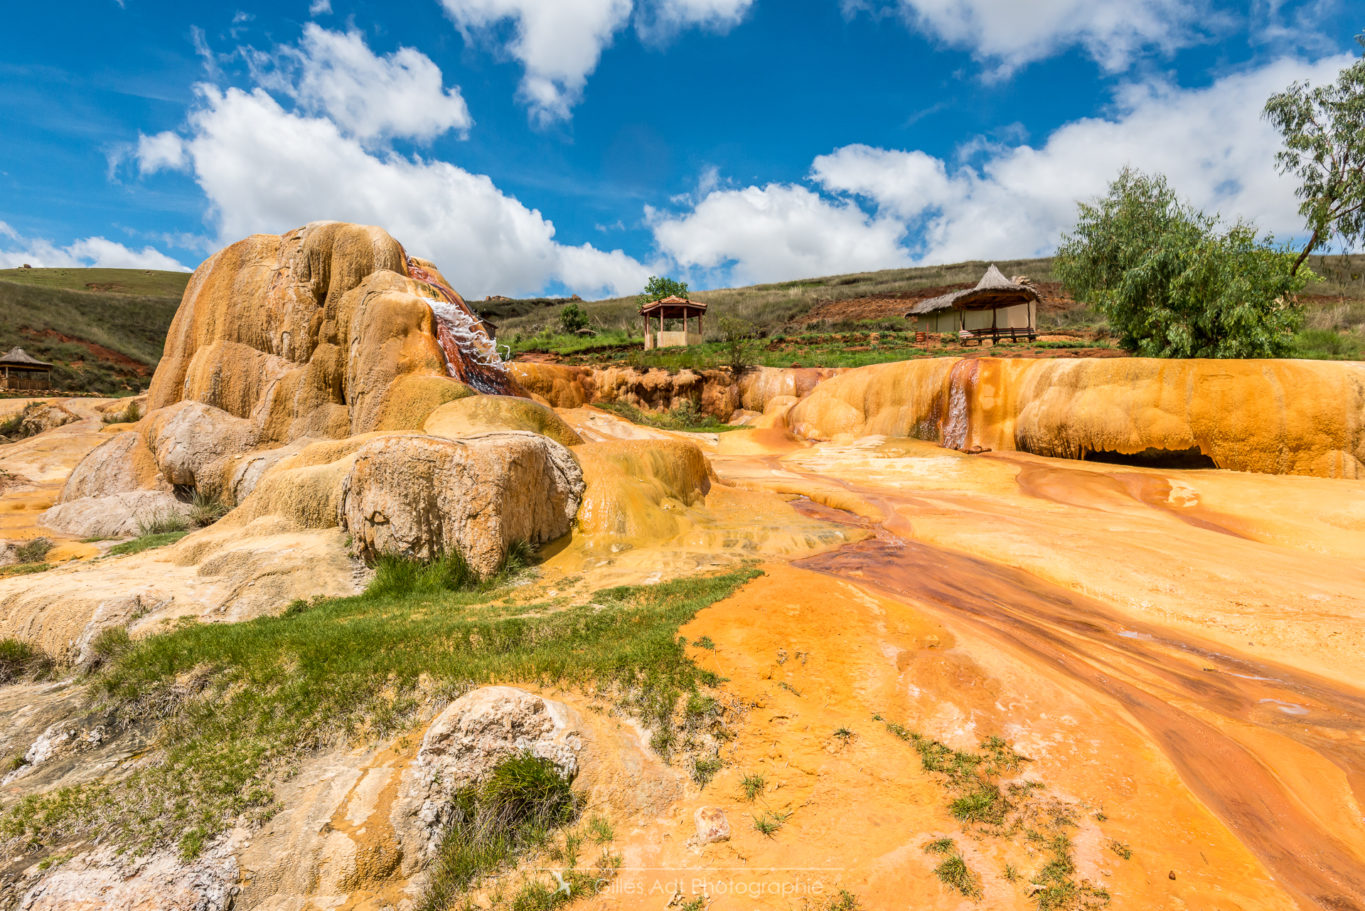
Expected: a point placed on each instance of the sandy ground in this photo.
(1178, 652)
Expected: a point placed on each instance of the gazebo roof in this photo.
(18, 357)
(994, 290)
(674, 304)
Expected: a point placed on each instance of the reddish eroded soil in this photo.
(120, 362)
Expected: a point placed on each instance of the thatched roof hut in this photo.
(994, 290)
(18, 357)
(20, 370)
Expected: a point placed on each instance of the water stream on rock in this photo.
(471, 356)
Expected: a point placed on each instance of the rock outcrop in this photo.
(462, 747)
(421, 497)
(1279, 417)
(163, 881)
(486, 413)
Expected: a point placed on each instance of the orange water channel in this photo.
(1274, 748)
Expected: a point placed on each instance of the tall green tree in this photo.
(659, 287)
(1324, 147)
(1173, 281)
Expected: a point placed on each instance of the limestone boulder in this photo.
(422, 497)
(39, 417)
(120, 515)
(121, 464)
(464, 744)
(479, 414)
(193, 443)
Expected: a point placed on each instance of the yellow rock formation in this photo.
(1279, 417)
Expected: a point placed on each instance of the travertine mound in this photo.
(1273, 416)
(636, 489)
(421, 497)
(485, 413)
(327, 332)
(307, 334)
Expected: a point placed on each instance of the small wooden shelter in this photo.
(996, 308)
(672, 308)
(19, 370)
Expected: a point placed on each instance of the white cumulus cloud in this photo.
(265, 168)
(559, 42)
(16, 250)
(1011, 34)
(398, 95)
(161, 151)
(777, 232)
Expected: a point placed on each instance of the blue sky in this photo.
(580, 145)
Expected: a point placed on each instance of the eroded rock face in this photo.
(422, 497)
(1279, 417)
(102, 879)
(464, 744)
(719, 393)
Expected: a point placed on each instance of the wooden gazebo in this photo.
(19, 370)
(672, 308)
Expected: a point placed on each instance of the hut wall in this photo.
(938, 321)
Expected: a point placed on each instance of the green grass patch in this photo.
(1328, 345)
(24, 569)
(147, 542)
(231, 706)
(954, 873)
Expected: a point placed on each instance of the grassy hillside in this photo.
(103, 329)
(849, 320)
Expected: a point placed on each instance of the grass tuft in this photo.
(753, 786)
(515, 809)
(146, 542)
(21, 661)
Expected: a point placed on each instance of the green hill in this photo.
(102, 329)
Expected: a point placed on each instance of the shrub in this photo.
(206, 509)
(33, 551)
(737, 341)
(1173, 282)
(130, 415)
(573, 318)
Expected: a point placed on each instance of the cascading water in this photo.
(961, 387)
(471, 356)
